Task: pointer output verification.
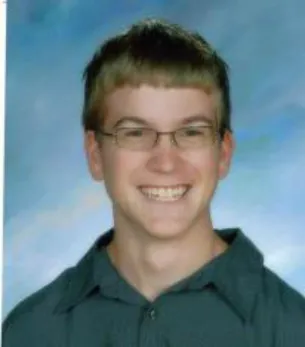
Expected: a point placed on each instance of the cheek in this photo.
(119, 171)
(205, 164)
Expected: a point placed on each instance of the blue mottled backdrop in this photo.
(53, 211)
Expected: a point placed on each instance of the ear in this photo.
(227, 147)
(94, 155)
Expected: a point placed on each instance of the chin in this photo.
(166, 230)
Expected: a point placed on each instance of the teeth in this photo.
(164, 194)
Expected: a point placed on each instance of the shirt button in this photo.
(151, 313)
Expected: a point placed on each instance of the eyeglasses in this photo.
(141, 138)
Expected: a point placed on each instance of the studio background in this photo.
(54, 211)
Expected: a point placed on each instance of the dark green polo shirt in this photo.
(234, 301)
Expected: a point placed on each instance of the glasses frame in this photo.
(216, 134)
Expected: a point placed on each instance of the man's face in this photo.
(166, 190)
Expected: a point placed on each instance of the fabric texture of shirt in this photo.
(234, 300)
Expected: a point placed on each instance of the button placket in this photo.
(148, 334)
(151, 313)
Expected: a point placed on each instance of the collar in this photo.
(82, 279)
(236, 274)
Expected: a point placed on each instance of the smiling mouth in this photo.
(165, 194)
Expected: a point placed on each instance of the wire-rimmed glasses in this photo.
(141, 138)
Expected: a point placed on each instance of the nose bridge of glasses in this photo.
(168, 136)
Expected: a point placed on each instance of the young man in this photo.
(157, 133)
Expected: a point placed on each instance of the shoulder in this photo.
(287, 306)
(27, 316)
(287, 298)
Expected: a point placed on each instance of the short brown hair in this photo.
(157, 53)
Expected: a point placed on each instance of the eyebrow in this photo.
(130, 119)
(140, 121)
(198, 118)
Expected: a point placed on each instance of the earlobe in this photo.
(94, 155)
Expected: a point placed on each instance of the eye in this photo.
(133, 132)
(193, 132)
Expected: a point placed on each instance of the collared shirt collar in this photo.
(236, 274)
(239, 272)
(82, 277)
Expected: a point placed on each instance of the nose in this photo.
(164, 157)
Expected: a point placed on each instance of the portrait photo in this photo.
(108, 126)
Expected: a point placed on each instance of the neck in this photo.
(152, 267)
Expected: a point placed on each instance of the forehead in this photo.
(158, 105)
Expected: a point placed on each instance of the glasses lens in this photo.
(193, 137)
(136, 138)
